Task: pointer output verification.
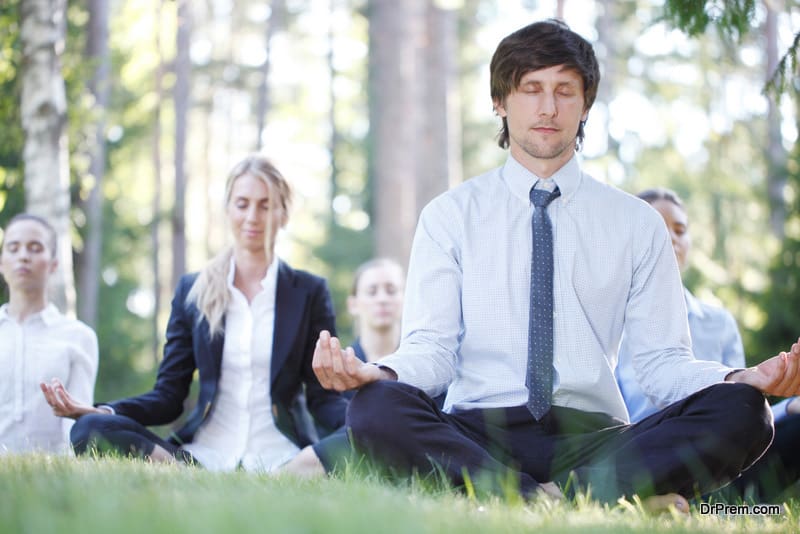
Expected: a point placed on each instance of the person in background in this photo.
(247, 324)
(39, 344)
(376, 304)
(715, 337)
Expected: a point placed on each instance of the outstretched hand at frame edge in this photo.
(778, 376)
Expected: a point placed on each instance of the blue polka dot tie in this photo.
(539, 378)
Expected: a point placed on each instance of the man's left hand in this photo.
(779, 376)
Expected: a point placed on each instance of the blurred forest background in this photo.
(120, 120)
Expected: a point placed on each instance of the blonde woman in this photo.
(247, 324)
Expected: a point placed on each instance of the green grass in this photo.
(40, 494)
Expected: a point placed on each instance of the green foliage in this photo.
(343, 251)
(781, 302)
(12, 192)
(122, 335)
(721, 178)
(785, 74)
(731, 17)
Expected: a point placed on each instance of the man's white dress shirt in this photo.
(44, 346)
(465, 318)
(241, 431)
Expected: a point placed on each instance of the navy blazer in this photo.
(302, 309)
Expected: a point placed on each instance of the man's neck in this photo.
(20, 307)
(542, 168)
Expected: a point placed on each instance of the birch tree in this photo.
(43, 111)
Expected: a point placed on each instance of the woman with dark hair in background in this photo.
(715, 337)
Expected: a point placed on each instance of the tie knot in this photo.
(541, 197)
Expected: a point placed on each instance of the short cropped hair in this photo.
(52, 236)
(661, 193)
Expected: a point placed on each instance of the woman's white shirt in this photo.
(44, 346)
(241, 431)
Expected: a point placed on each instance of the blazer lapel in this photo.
(289, 305)
(215, 346)
(210, 349)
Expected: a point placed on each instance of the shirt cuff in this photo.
(779, 410)
(382, 366)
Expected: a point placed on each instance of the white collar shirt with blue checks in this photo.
(465, 318)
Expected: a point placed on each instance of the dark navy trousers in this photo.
(691, 447)
(777, 470)
(117, 434)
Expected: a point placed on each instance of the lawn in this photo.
(40, 494)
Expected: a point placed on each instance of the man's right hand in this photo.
(340, 369)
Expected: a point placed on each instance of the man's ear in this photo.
(499, 109)
(53, 266)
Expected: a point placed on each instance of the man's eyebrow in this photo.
(537, 81)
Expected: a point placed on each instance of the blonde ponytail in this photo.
(210, 291)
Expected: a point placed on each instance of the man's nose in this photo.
(547, 105)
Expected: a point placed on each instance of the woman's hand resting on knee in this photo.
(63, 404)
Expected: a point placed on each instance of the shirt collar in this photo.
(520, 180)
(693, 306)
(49, 314)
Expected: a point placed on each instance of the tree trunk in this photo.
(396, 66)
(440, 153)
(43, 110)
(560, 9)
(183, 69)
(334, 141)
(776, 155)
(98, 86)
(414, 115)
(609, 53)
(275, 24)
(155, 223)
